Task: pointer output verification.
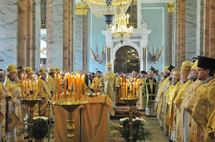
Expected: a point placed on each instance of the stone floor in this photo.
(157, 133)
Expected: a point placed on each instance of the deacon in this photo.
(150, 91)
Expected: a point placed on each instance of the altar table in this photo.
(91, 121)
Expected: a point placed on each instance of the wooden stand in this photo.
(131, 103)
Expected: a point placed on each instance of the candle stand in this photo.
(30, 103)
(70, 107)
(131, 103)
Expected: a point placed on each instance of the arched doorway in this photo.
(127, 60)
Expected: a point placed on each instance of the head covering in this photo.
(99, 72)
(42, 71)
(206, 63)
(11, 68)
(194, 59)
(175, 72)
(186, 66)
(20, 69)
(29, 70)
(170, 67)
(195, 67)
(109, 65)
(152, 69)
(143, 72)
(57, 70)
(52, 70)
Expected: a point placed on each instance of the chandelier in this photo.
(108, 7)
(121, 28)
(81, 8)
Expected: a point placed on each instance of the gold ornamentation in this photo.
(121, 28)
(81, 8)
(170, 7)
(104, 7)
(98, 58)
(155, 55)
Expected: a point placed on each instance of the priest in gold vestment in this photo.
(97, 83)
(210, 129)
(141, 80)
(110, 83)
(2, 105)
(45, 92)
(205, 101)
(123, 86)
(178, 111)
(13, 106)
(163, 86)
(170, 95)
(187, 121)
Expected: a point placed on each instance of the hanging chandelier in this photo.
(108, 7)
(121, 28)
(81, 8)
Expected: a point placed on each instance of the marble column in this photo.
(34, 24)
(174, 34)
(170, 35)
(180, 31)
(28, 30)
(68, 35)
(144, 58)
(36, 61)
(8, 34)
(22, 34)
(85, 42)
(191, 29)
(108, 54)
(78, 43)
(54, 33)
(209, 28)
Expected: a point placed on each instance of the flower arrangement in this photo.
(139, 131)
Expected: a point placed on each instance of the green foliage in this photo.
(139, 132)
(40, 128)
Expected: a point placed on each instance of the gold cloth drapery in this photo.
(91, 121)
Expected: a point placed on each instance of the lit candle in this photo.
(59, 83)
(65, 84)
(78, 86)
(75, 87)
(83, 84)
(126, 88)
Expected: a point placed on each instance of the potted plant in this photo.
(139, 132)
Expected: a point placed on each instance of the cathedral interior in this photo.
(107, 70)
